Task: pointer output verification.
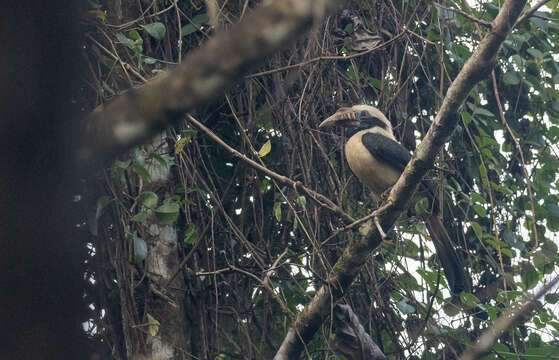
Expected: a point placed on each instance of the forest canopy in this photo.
(208, 240)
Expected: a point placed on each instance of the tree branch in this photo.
(319, 198)
(466, 15)
(505, 322)
(531, 11)
(203, 75)
(477, 68)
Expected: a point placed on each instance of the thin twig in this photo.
(379, 228)
(420, 37)
(274, 266)
(319, 198)
(358, 222)
(531, 12)
(141, 17)
(281, 302)
(489, 190)
(115, 57)
(319, 58)
(179, 26)
(481, 22)
(528, 182)
(212, 8)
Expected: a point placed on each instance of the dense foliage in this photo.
(252, 250)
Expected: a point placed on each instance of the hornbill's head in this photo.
(360, 117)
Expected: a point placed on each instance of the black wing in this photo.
(387, 150)
(396, 155)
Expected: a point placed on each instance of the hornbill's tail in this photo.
(451, 261)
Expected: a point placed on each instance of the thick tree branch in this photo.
(478, 67)
(352, 340)
(512, 316)
(203, 75)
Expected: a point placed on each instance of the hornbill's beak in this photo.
(346, 117)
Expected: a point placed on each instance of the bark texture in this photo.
(203, 75)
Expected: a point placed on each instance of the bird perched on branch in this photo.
(378, 159)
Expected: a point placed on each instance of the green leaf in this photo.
(553, 209)
(302, 201)
(501, 348)
(469, 300)
(529, 275)
(188, 29)
(189, 133)
(552, 298)
(140, 249)
(477, 198)
(93, 220)
(484, 112)
(167, 213)
(195, 25)
(541, 23)
(507, 252)
(549, 248)
(483, 174)
(540, 260)
(277, 211)
(141, 171)
(511, 78)
(535, 53)
(450, 310)
(118, 168)
(124, 40)
(422, 205)
(140, 217)
(186, 137)
(430, 277)
(164, 160)
(375, 82)
(517, 59)
(502, 189)
(108, 89)
(348, 28)
(404, 307)
(466, 117)
(201, 19)
(135, 35)
(265, 149)
(180, 144)
(149, 199)
(408, 281)
(480, 210)
(156, 29)
(541, 352)
(265, 185)
(134, 41)
(102, 202)
(191, 235)
(149, 60)
(153, 325)
(553, 133)
(509, 237)
(477, 230)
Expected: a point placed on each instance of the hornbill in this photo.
(378, 159)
